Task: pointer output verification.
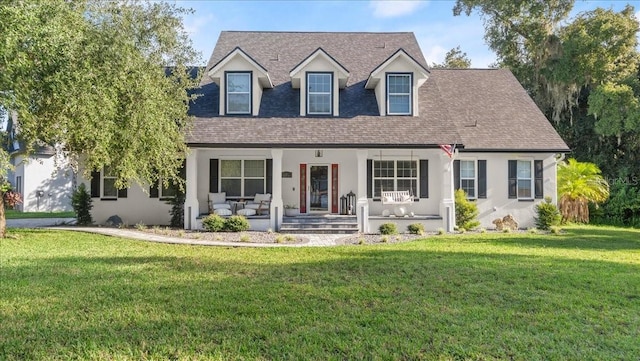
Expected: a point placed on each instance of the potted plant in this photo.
(291, 210)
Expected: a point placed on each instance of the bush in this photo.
(82, 204)
(213, 223)
(177, 210)
(388, 228)
(416, 228)
(236, 224)
(548, 215)
(466, 211)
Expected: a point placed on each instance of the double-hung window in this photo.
(319, 93)
(109, 189)
(395, 175)
(468, 177)
(525, 179)
(242, 178)
(399, 94)
(238, 92)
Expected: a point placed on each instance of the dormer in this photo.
(241, 80)
(396, 82)
(319, 78)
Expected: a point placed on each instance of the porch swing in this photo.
(398, 197)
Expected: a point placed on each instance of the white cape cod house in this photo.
(303, 119)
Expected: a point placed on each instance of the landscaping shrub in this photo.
(466, 211)
(236, 224)
(388, 228)
(177, 210)
(213, 223)
(82, 204)
(547, 215)
(416, 228)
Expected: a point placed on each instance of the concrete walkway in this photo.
(315, 240)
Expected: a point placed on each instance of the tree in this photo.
(109, 81)
(466, 211)
(455, 59)
(578, 184)
(82, 203)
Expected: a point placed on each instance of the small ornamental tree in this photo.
(547, 215)
(82, 204)
(466, 211)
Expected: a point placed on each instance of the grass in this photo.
(13, 214)
(573, 296)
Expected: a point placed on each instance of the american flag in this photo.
(448, 148)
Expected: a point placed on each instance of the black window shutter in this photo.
(95, 184)
(456, 174)
(269, 166)
(537, 167)
(122, 193)
(153, 190)
(482, 179)
(213, 175)
(513, 179)
(369, 179)
(424, 178)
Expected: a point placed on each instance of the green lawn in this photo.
(13, 214)
(576, 296)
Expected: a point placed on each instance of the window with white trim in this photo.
(319, 93)
(399, 94)
(109, 189)
(238, 92)
(242, 178)
(524, 179)
(395, 175)
(468, 177)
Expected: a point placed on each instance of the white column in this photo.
(277, 208)
(191, 204)
(362, 207)
(448, 208)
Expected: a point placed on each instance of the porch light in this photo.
(343, 205)
(318, 153)
(351, 202)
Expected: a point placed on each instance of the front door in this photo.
(319, 188)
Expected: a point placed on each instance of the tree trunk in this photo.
(3, 219)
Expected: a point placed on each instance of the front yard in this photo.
(67, 295)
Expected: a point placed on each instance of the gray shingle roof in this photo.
(450, 100)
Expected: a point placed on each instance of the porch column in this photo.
(277, 207)
(362, 207)
(191, 204)
(448, 207)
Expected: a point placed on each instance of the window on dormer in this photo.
(238, 93)
(319, 93)
(399, 94)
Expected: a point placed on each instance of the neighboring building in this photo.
(310, 117)
(43, 178)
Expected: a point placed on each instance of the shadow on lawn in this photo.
(360, 303)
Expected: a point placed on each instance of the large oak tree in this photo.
(107, 81)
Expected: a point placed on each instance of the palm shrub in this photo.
(236, 224)
(580, 183)
(82, 204)
(547, 215)
(466, 211)
(213, 223)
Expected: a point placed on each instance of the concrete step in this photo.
(320, 230)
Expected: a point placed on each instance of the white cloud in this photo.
(394, 8)
(434, 54)
(193, 25)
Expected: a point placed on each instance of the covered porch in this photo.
(316, 182)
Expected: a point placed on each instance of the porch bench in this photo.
(396, 197)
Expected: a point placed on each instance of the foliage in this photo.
(11, 198)
(416, 228)
(623, 207)
(455, 59)
(388, 228)
(109, 80)
(578, 184)
(547, 215)
(466, 211)
(262, 303)
(213, 223)
(236, 224)
(82, 203)
(177, 209)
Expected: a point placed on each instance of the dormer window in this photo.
(399, 94)
(238, 92)
(319, 93)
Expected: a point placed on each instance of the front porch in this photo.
(314, 181)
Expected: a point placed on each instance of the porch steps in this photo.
(320, 224)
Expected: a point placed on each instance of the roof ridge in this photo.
(315, 32)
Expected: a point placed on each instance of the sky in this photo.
(432, 22)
